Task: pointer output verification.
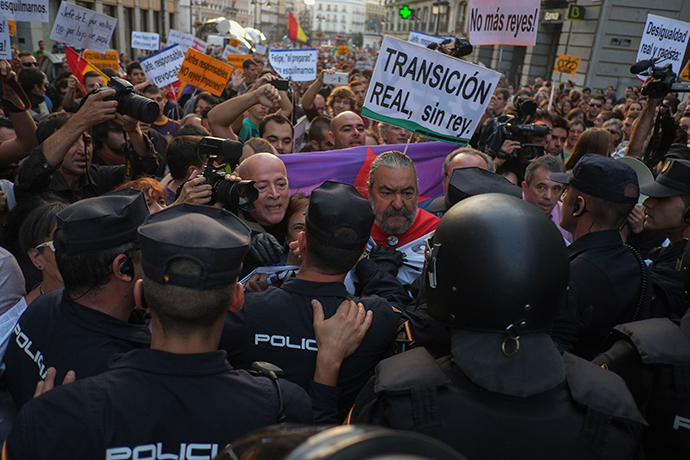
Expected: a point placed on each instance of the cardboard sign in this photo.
(145, 41)
(428, 92)
(342, 50)
(18, 10)
(260, 49)
(666, 39)
(110, 59)
(298, 64)
(497, 22)
(234, 42)
(204, 72)
(567, 64)
(236, 60)
(186, 41)
(83, 28)
(5, 48)
(162, 67)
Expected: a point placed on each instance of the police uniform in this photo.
(58, 331)
(505, 391)
(610, 282)
(155, 403)
(277, 325)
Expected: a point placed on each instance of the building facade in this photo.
(339, 20)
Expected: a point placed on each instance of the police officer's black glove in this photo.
(265, 250)
(387, 258)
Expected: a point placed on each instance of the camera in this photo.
(511, 127)
(663, 79)
(280, 85)
(129, 103)
(461, 47)
(234, 195)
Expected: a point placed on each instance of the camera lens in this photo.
(139, 107)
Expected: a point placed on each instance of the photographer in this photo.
(62, 163)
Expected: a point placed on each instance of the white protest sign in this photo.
(422, 39)
(361, 65)
(665, 39)
(162, 67)
(298, 64)
(18, 10)
(186, 41)
(5, 49)
(497, 22)
(428, 92)
(260, 49)
(83, 28)
(145, 40)
(300, 133)
(231, 50)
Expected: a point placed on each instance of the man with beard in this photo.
(347, 130)
(400, 230)
(542, 192)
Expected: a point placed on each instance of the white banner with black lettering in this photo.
(428, 92)
(161, 68)
(298, 64)
(664, 39)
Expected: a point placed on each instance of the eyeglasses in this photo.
(47, 244)
(30, 64)
(595, 105)
(613, 131)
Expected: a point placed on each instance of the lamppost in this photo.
(439, 7)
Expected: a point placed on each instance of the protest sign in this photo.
(685, 74)
(145, 41)
(13, 25)
(342, 50)
(110, 59)
(32, 11)
(162, 67)
(260, 49)
(234, 42)
(664, 39)
(186, 41)
(428, 92)
(567, 64)
(422, 39)
(5, 49)
(300, 133)
(496, 22)
(204, 72)
(230, 50)
(298, 64)
(83, 28)
(361, 65)
(236, 60)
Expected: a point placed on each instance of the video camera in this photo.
(461, 47)
(512, 127)
(663, 79)
(129, 103)
(234, 195)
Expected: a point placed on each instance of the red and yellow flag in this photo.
(79, 66)
(295, 32)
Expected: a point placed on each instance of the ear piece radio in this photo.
(126, 267)
(576, 207)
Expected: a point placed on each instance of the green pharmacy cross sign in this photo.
(405, 12)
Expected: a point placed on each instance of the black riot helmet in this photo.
(496, 263)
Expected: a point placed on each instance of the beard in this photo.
(409, 216)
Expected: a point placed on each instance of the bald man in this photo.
(347, 130)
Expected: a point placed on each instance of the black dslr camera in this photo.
(129, 103)
(663, 79)
(234, 195)
(511, 127)
(461, 47)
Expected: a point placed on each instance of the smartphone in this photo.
(280, 85)
(336, 78)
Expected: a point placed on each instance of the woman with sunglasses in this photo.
(36, 239)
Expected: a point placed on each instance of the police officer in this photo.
(181, 398)
(497, 273)
(609, 280)
(276, 325)
(80, 327)
(667, 210)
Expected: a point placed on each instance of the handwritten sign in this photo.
(82, 27)
(666, 39)
(145, 41)
(497, 22)
(18, 10)
(567, 64)
(298, 64)
(236, 60)
(101, 61)
(204, 72)
(5, 49)
(428, 92)
(162, 67)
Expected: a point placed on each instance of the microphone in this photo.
(642, 65)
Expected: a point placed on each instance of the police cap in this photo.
(102, 222)
(213, 237)
(674, 180)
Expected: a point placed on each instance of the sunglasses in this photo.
(595, 105)
(47, 244)
(30, 64)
